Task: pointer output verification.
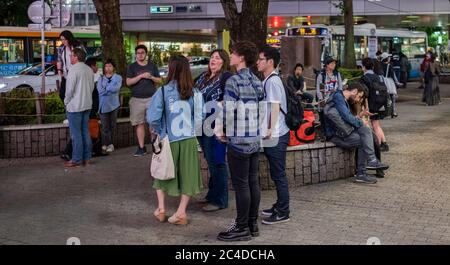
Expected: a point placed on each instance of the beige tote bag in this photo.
(162, 167)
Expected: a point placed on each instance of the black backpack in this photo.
(378, 94)
(294, 114)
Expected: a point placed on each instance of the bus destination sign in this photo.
(307, 31)
(161, 9)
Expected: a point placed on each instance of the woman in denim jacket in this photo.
(108, 87)
(182, 121)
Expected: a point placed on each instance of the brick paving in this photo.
(111, 201)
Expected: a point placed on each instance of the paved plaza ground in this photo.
(111, 201)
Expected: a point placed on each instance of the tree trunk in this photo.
(349, 58)
(250, 24)
(108, 12)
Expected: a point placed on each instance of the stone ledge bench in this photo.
(305, 164)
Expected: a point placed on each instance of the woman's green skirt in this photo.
(188, 179)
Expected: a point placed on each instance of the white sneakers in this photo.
(108, 149)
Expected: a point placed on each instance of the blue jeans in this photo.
(79, 133)
(214, 153)
(276, 156)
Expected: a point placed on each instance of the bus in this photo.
(21, 48)
(368, 40)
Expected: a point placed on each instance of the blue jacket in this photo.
(183, 118)
(344, 110)
(108, 92)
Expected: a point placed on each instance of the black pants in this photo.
(109, 121)
(244, 177)
(62, 89)
(276, 155)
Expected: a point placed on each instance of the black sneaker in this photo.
(235, 233)
(384, 147)
(379, 174)
(365, 178)
(141, 151)
(275, 218)
(268, 212)
(253, 226)
(375, 164)
(65, 156)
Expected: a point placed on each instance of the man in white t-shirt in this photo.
(276, 134)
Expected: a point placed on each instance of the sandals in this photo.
(160, 215)
(178, 220)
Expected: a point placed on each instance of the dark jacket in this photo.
(343, 108)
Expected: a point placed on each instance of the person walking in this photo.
(142, 77)
(370, 79)
(243, 92)
(431, 94)
(78, 102)
(172, 111)
(108, 87)
(212, 86)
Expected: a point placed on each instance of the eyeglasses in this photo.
(62, 39)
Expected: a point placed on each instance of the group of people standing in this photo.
(234, 126)
(84, 98)
(230, 138)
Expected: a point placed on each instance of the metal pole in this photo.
(87, 12)
(42, 60)
(60, 14)
(73, 13)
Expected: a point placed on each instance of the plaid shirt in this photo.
(242, 122)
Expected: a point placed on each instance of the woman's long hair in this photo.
(67, 34)
(225, 66)
(180, 71)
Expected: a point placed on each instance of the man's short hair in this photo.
(271, 53)
(367, 63)
(248, 50)
(359, 86)
(91, 61)
(141, 46)
(79, 53)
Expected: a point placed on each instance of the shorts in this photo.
(378, 116)
(138, 110)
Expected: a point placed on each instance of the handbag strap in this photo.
(164, 108)
(387, 71)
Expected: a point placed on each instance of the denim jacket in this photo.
(183, 118)
(108, 92)
(344, 110)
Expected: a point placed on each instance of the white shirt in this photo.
(275, 93)
(67, 63)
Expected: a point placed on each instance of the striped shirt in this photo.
(242, 115)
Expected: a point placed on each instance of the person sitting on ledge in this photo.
(348, 131)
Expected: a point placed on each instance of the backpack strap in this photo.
(265, 92)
